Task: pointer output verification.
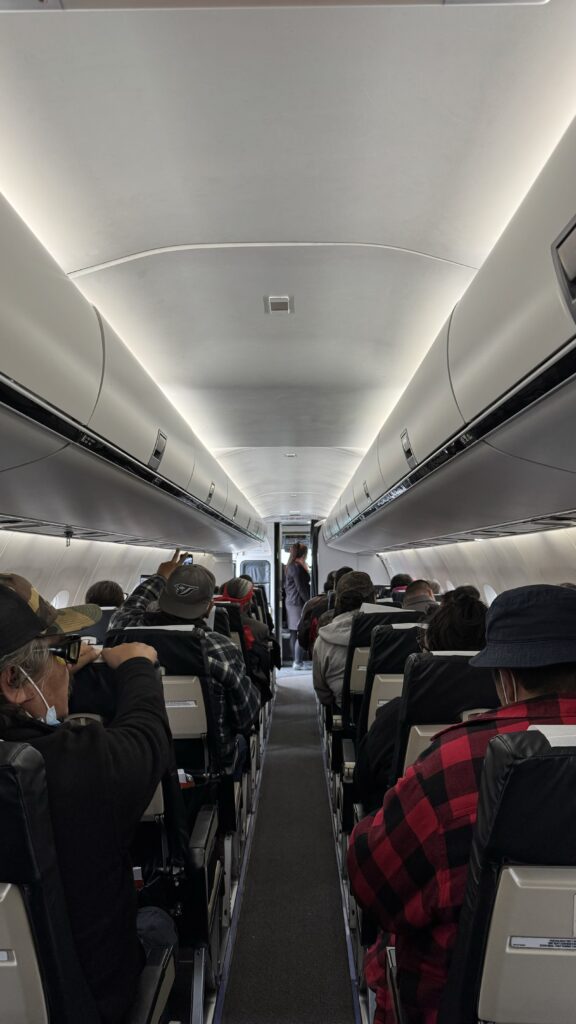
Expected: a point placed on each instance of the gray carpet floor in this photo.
(289, 963)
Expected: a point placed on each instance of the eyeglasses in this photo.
(68, 649)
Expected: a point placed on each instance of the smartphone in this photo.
(188, 561)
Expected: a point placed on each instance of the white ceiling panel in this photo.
(416, 129)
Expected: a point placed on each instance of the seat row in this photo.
(187, 852)
(513, 960)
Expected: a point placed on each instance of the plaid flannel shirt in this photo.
(408, 862)
(235, 699)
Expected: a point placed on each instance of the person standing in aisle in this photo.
(297, 585)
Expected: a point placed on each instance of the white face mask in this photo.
(503, 688)
(51, 718)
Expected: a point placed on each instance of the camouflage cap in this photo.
(25, 614)
(238, 589)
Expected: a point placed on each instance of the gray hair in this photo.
(33, 658)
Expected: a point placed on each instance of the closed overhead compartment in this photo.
(348, 503)
(209, 482)
(135, 416)
(545, 433)
(50, 335)
(24, 442)
(367, 482)
(519, 310)
(237, 508)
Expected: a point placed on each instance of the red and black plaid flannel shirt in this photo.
(408, 862)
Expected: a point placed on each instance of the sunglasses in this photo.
(68, 649)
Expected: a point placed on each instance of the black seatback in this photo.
(363, 626)
(181, 652)
(221, 620)
(388, 653)
(235, 621)
(437, 689)
(525, 816)
(28, 860)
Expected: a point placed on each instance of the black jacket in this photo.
(100, 781)
(297, 587)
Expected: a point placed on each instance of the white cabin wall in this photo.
(501, 563)
(52, 567)
(330, 558)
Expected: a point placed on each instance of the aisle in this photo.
(290, 964)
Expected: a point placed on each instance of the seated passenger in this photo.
(240, 591)
(418, 597)
(99, 780)
(435, 588)
(315, 608)
(179, 594)
(466, 589)
(331, 647)
(106, 594)
(408, 863)
(459, 625)
(325, 617)
(398, 585)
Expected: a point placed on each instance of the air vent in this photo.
(277, 304)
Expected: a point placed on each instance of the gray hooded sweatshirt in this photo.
(330, 651)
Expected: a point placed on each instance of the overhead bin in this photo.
(51, 341)
(237, 508)
(519, 310)
(133, 414)
(499, 378)
(70, 387)
(209, 482)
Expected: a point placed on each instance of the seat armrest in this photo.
(154, 986)
(348, 759)
(203, 836)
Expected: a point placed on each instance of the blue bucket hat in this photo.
(530, 627)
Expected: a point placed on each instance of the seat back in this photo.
(221, 620)
(390, 647)
(236, 628)
(385, 686)
(439, 690)
(41, 978)
(514, 955)
(363, 626)
(186, 680)
(99, 629)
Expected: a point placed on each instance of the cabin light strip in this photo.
(31, 407)
(542, 382)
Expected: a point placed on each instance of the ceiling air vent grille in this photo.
(276, 304)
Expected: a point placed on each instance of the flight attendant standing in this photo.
(297, 586)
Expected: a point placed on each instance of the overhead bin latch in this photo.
(407, 449)
(159, 449)
(564, 256)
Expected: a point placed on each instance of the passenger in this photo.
(571, 586)
(328, 615)
(297, 586)
(246, 576)
(99, 780)
(178, 594)
(408, 863)
(311, 611)
(240, 592)
(106, 594)
(466, 589)
(459, 625)
(435, 587)
(418, 597)
(398, 585)
(331, 647)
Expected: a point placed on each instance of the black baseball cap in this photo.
(189, 591)
(530, 627)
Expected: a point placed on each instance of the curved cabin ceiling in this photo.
(181, 165)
